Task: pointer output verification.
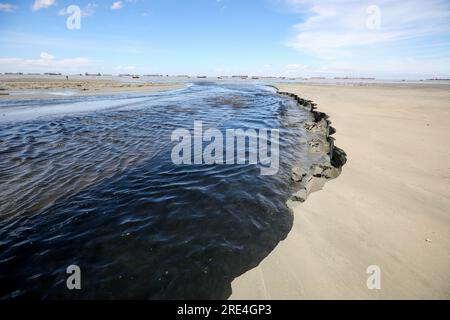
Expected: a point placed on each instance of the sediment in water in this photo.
(308, 180)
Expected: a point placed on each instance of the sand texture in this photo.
(24, 87)
(390, 206)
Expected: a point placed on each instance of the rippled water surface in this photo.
(89, 181)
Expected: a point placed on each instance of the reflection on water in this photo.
(98, 189)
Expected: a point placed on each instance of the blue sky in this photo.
(383, 38)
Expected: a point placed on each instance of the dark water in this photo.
(98, 189)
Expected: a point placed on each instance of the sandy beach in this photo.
(32, 87)
(390, 207)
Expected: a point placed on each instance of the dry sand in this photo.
(390, 207)
(32, 87)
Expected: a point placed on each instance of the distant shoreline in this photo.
(38, 87)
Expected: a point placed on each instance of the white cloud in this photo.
(7, 7)
(46, 56)
(42, 4)
(87, 11)
(342, 34)
(45, 62)
(334, 28)
(117, 5)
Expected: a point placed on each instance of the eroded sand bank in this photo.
(390, 206)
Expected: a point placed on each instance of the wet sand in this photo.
(32, 87)
(390, 206)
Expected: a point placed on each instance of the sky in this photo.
(396, 39)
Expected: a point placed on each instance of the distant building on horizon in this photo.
(353, 78)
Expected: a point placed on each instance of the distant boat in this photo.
(135, 77)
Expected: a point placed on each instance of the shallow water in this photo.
(89, 181)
